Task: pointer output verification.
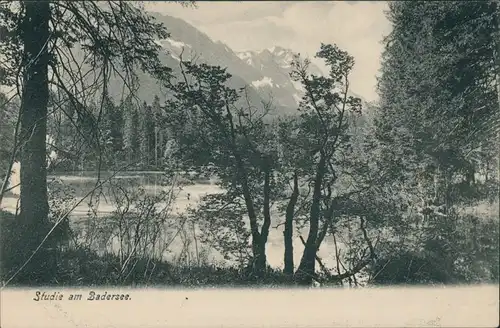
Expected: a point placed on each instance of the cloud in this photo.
(216, 12)
(357, 27)
(250, 35)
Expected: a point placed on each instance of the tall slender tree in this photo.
(215, 126)
(323, 130)
(497, 78)
(39, 37)
(439, 114)
(147, 134)
(159, 131)
(438, 98)
(131, 141)
(35, 34)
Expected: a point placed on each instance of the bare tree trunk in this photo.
(264, 231)
(498, 150)
(196, 245)
(15, 148)
(156, 147)
(259, 254)
(497, 75)
(337, 253)
(8, 174)
(288, 233)
(34, 202)
(259, 240)
(306, 269)
(162, 144)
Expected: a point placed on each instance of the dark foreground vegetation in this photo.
(406, 191)
(80, 266)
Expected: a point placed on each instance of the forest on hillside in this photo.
(407, 189)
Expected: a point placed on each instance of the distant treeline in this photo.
(114, 134)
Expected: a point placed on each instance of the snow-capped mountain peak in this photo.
(274, 64)
(176, 44)
(278, 51)
(266, 72)
(262, 82)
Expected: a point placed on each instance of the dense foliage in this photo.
(437, 125)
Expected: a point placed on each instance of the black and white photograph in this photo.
(338, 152)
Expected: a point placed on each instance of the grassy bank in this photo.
(82, 266)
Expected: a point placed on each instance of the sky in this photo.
(355, 26)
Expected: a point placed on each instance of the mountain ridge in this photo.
(265, 73)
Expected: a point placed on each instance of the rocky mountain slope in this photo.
(274, 66)
(265, 73)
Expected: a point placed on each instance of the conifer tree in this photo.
(131, 140)
(38, 35)
(146, 134)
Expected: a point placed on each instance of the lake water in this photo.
(189, 195)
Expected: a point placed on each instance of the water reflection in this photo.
(153, 183)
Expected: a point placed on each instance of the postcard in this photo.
(249, 163)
